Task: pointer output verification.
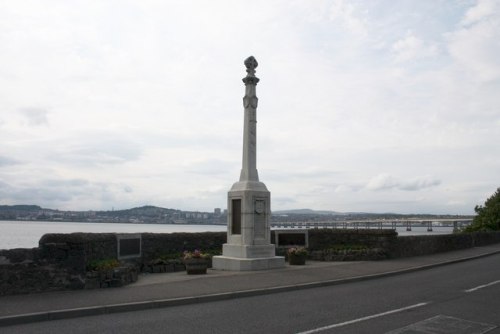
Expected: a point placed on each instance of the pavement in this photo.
(173, 289)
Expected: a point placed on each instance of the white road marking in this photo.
(320, 329)
(482, 286)
(445, 324)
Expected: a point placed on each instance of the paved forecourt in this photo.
(170, 289)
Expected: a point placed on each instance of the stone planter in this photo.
(296, 260)
(196, 266)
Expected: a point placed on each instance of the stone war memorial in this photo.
(248, 244)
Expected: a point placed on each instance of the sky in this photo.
(364, 106)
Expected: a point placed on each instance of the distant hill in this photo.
(153, 212)
(21, 207)
(147, 211)
(143, 214)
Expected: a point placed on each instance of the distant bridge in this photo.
(430, 224)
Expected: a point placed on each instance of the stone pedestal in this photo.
(248, 244)
(242, 264)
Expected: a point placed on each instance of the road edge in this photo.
(162, 303)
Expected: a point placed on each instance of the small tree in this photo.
(488, 216)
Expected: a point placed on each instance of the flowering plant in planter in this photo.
(299, 251)
(196, 254)
(196, 262)
(297, 255)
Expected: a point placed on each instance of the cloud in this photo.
(411, 47)
(382, 182)
(346, 13)
(42, 195)
(58, 193)
(484, 9)
(210, 167)
(284, 201)
(475, 45)
(35, 116)
(388, 182)
(4, 161)
(419, 184)
(347, 188)
(96, 148)
(145, 103)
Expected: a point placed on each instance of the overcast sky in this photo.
(379, 106)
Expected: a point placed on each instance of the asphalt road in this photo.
(458, 298)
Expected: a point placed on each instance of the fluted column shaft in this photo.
(249, 165)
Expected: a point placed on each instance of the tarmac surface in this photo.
(171, 289)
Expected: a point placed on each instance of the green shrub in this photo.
(488, 216)
(102, 265)
(338, 247)
(170, 256)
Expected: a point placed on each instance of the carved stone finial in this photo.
(251, 64)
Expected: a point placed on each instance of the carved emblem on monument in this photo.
(260, 206)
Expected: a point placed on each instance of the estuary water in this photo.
(26, 234)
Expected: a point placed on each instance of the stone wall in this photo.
(350, 245)
(171, 245)
(406, 246)
(74, 251)
(485, 238)
(365, 244)
(162, 252)
(325, 238)
(27, 270)
(61, 261)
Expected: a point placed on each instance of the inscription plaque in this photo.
(256, 253)
(236, 216)
(129, 245)
(288, 238)
(260, 219)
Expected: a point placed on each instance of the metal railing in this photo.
(408, 224)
